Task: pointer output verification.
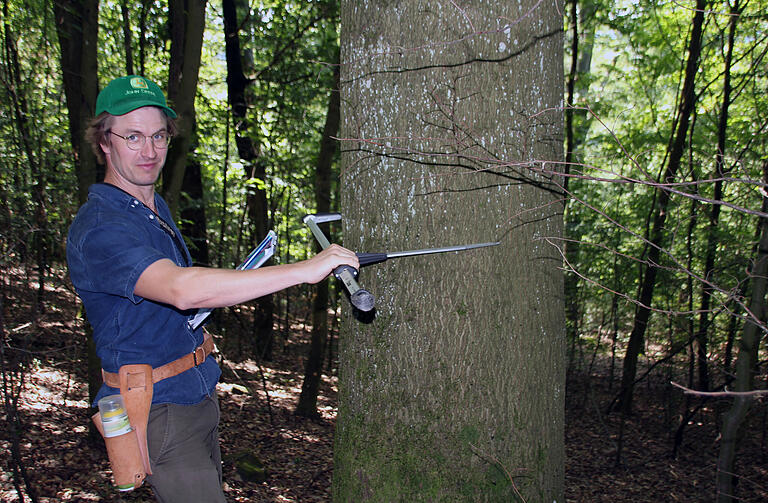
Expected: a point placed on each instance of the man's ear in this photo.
(106, 147)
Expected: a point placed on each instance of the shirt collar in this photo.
(116, 196)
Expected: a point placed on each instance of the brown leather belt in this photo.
(170, 369)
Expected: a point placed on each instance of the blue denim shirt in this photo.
(112, 240)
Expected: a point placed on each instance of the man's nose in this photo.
(148, 150)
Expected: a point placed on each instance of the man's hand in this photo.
(322, 264)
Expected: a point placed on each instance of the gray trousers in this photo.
(183, 442)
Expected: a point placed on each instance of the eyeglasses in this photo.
(136, 141)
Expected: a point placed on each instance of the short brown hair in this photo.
(96, 132)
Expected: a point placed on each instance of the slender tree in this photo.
(77, 28)
(142, 28)
(746, 361)
(13, 78)
(127, 38)
(582, 28)
(657, 237)
(721, 170)
(186, 20)
(571, 249)
(248, 149)
(307, 405)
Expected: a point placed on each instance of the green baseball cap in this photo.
(126, 94)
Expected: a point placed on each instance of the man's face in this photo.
(135, 168)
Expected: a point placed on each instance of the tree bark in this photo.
(449, 116)
(307, 405)
(657, 239)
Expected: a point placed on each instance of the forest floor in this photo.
(257, 402)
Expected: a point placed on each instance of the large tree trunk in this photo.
(657, 239)
(745, 363)
(455, 392)
(307, 405)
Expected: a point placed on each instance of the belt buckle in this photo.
(198, 359)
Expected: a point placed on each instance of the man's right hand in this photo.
(323, 264)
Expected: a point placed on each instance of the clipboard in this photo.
(254, 260)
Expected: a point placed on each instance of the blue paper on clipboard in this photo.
(254, 260)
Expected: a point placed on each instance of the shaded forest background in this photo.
(666, 204)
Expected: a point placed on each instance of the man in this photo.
(132, 270)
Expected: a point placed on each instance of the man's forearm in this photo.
(203, 287)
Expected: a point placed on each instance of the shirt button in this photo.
(151, 217)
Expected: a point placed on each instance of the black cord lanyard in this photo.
(169, 230)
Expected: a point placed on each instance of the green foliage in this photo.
(37, 183)
(633, 94)
(291, 47)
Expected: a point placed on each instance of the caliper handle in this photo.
(371, 258)
(358, 297)
(363, 300)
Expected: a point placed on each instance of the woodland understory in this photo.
(623, 143)
(258, 398)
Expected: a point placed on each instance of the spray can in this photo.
(122, 445)
(113, 416)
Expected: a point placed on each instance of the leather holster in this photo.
(128, 454)
(136, 387)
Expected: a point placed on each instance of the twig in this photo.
(498, 463)
(755, 393)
